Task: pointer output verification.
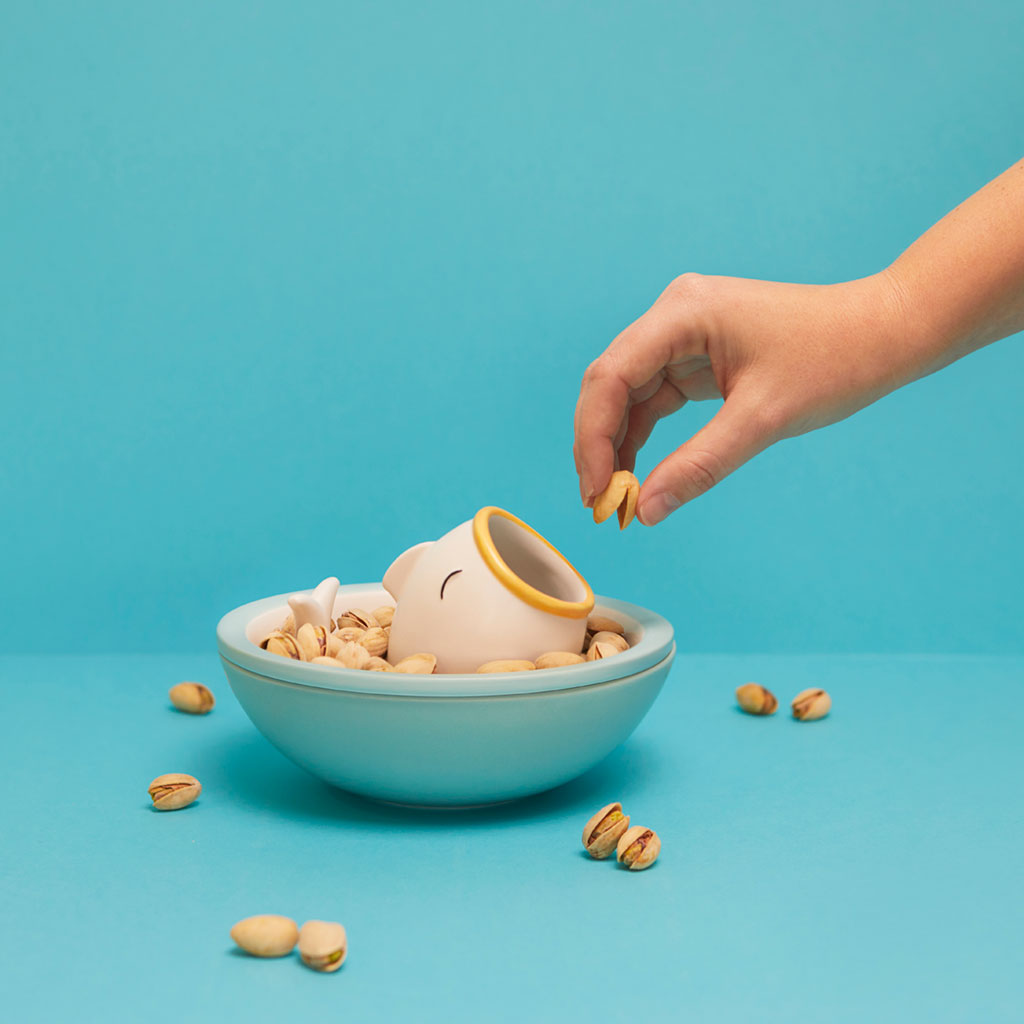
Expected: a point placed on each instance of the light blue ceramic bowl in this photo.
(443, 740)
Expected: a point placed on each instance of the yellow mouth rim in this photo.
(531, 595)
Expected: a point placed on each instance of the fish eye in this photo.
(446, 579)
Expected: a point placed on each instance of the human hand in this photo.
(787, 358)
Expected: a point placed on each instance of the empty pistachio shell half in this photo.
(507, 665)
(289, 624)
(558, 659)
(417, 664)
(620, 495)
(266, 935)
(638, 848)
(616, 640)
(809, 705)
(599, 650)
(379, 665)
(194, 698)
(602, 624)
(384, 615)
(756, 699)
(312, 640)
(323, 945)
(602, 833)
(170, 792)
(357, 617)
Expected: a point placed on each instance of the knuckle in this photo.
(688, 287)
(701, 471)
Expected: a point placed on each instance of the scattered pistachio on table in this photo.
(267, 935)
(810, 705)
(173, 791)
(602, 833)
(194, 698)
(755, 699)
(638, 848)
(323, 945)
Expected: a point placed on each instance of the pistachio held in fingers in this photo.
(174, 791)
(193, 698)
(638, 848)
(602, 833)
(266, 935)
(810, 705)
(755, 699)
(620, 495)
(323, 945)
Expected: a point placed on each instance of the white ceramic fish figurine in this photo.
(315, 606)
(491, 588)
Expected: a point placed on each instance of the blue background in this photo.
(285, 288)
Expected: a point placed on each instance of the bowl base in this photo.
(443, 807)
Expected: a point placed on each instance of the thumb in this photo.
(735, 435)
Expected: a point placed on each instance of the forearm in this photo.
(961, 284)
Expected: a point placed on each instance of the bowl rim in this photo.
(234, 646)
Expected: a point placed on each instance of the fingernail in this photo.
(588, 490)
(657, 507)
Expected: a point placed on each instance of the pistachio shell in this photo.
(810, 705)
(602, 833)
(599, 650)
(357, 617)
(384, 615)
(266, 935)
(173, 791)
(418, 664)
(289, 624)
(638, 848)
(323, 945)
(620, 494)
(194, 698)
(375, 640)
(349, 634)
(312, 640)
(602, 624)
(353, 655)
(557, 659)
(379, 665)
(756, 700)
(606, 636)
(507, 665)
(325, 659)
(284, 645)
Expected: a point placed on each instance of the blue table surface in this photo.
(862, 868)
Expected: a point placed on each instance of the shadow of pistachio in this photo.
(249, 771)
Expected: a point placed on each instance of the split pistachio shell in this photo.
(283, 644)
(756, 699)
(809, 705)
(312, 640)
(602, 833)
(375, 640)
(323, 945)
(383, 615)
(266, 935)
(349, 634)
(558, 659)
(638, 848)
(418, 664)
(620, 495)
(173, 791)
(599, 650)
(602, 624)
(616, 640)
(507, 665)
(194, 698)
(379, 665)
(357, 617)
(353, 655)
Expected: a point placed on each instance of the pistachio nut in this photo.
(353, 655)
(357, 617)
(418, 664)
(638, 848)
(313, 641)
(602, 624)
(334, 643)
(379, 665)
(620, 494)
(266, 935)
(556, 659)
(602, 833)
(173, 791)
(323, 945)
(606, 636)
(325, 659)
(600, 650)
(809, 705)
(349, 634)
(375, 640)
(283, 644)
(194, 698)
(384, 614)
(507, 665)
(756, 699)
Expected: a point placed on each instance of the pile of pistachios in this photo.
(807, 706)
(359, 639)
